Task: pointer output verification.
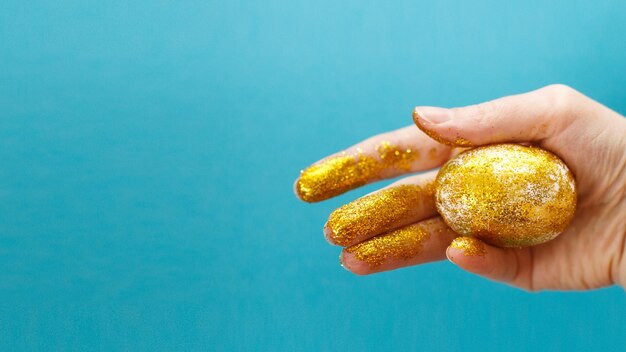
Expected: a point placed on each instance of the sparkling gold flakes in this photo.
(462, 142)
(339, 174)
(378, 212)
(507, 195)
(470, 246)
(401, 244)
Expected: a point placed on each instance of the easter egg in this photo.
(507, 195)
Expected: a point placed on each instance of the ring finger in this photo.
(418, 243)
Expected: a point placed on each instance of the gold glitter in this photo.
(395, 157)
(432, 134)
(379, 212)
(470, 246)
(507, 195)
(402, 244)
(458, 142)
(339, 174)
(432, 153)
(462, 142)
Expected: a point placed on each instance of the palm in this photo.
(564, 263)
(587, 254)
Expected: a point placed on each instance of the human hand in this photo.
(398, 226)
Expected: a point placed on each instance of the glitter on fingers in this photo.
(388, 155)
(422, 242)
(392, 207)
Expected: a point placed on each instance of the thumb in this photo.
(528, 117)
(506, 265)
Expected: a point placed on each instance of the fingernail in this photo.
(470, 246)
(431, 114)
(450, 258)
(329, 235)
(341, 261)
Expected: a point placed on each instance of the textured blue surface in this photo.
(148, 150)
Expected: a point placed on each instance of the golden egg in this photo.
(507, 195)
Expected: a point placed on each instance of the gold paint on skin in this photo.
(401, 244)
(378, 212)
(432, 153)
(458, 142)
(339, 174)
(507, 195)
(462, 142)
(470, 246)
(432, 134)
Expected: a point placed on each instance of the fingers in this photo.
(384, 156)
(422, 242)
(532, 116)
(498, 264)
(407, 201)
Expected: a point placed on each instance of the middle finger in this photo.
(404, 202)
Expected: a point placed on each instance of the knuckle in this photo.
(560, 88)
(487, 113)
(561, 103)
(561, 97)
(489, 108)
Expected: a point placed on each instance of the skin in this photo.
(588, 136)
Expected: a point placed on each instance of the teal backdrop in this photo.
(148, 151)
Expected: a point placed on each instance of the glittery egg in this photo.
(507, 195)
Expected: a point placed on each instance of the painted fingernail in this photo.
(431, 114)
(434, 116)
(439, 114)
(469, 245)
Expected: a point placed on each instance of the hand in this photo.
(398, 226)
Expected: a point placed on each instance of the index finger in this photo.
(384, 156)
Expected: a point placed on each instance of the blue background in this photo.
(148, 150)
